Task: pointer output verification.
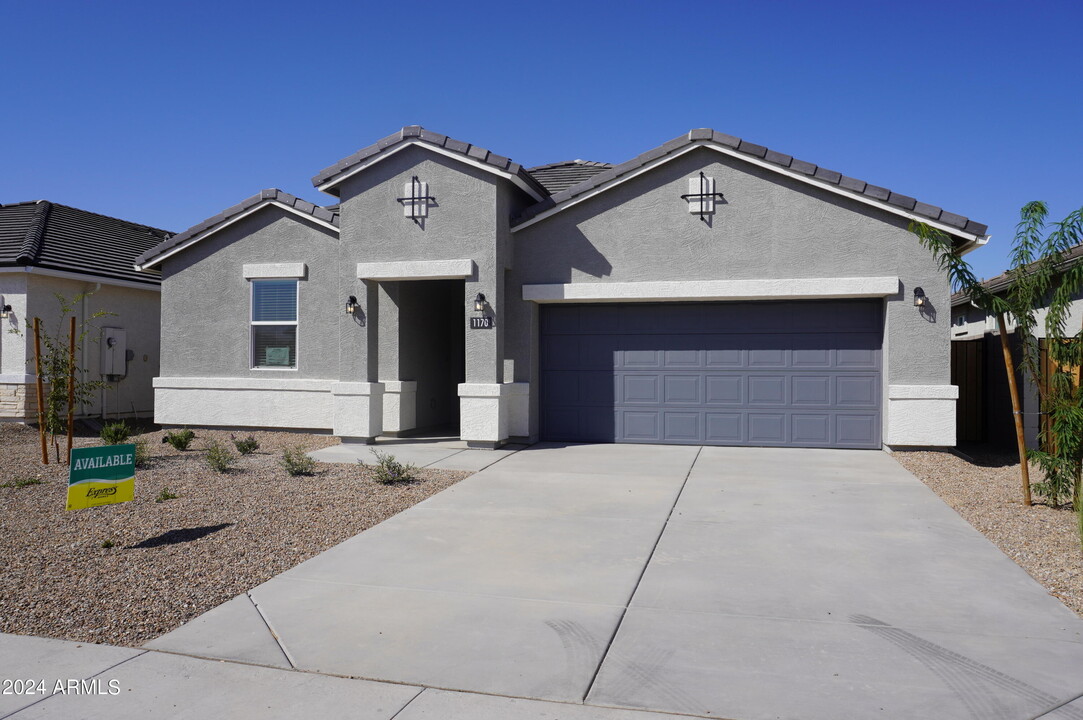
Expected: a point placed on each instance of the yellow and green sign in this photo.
(101, 476)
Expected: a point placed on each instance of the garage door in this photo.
(799, 374)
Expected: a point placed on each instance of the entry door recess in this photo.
(798, 374)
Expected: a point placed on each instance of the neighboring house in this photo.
(47, 248)
(984, 414)
(708, 291)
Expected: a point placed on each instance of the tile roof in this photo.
(1001, 282)
(706, 136)
(58, 237)
(418, 134)
(326, 214)
(557, 177)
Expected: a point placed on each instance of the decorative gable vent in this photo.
(701, 196)
(415, 200)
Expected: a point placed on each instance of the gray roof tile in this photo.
(904, 201)
(778, 158)
(854, 184)
(752, 149)
(829, 176)
(556, 177)
(876, 192)
(805, 168)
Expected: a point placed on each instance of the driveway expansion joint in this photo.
(270, 629)
(642, 572)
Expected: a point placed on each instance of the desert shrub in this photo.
(246, 446)
(297, 462)
(219, 457)
(388, 471)
(165, 494)
(180, 439)
(116, 433)
(21, 482)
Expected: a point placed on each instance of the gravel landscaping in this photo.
(127, 573)
(1043, 540)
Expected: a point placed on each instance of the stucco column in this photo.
(357, 399)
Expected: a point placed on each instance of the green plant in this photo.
(246, 446)
(115, 433)
(179, 439)
(58, 364)
(1039, 277)
(165, 494)
(297, 462)
(106, 544)
(388, 470)
(219, 457)
(21, 482)
(142, 452)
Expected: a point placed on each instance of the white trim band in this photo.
(922, 392)
(416, 270)
(241, 383)
(274, 270)
(791, 289)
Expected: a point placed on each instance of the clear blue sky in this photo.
(166, 113)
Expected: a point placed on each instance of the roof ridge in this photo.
(213, 223)
(35, 231)
(762, 154)
(417, 134)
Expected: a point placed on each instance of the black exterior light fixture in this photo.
(919, 297)
(351, 305)
(479, 303)
(5, 310)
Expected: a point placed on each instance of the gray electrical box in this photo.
(114, 347)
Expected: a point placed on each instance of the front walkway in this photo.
(715, 582)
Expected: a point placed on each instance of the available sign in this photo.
(101, 476)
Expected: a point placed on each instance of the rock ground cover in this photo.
(987, 492)
(124, 574)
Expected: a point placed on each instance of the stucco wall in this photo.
(462, 224)
(13, 345)
(207, 300)
(134, 310)
(769, 226)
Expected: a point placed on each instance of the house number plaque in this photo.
(481, 323)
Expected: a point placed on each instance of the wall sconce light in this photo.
(5, 311)
(919, 297)
(479, 303)
(351, 305)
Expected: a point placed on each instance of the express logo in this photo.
(101, 492)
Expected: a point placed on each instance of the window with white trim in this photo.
(274, 324)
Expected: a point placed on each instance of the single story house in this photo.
(708, 291)
(47, 249)
(984, 414)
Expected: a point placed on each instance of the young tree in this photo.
(1039, 276)
(59, 365)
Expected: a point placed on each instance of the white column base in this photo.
(921, 415)
(358, 409)
(400, 405)
(490, 412)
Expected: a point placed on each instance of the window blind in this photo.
(274, 300)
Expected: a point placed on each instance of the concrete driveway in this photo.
(721, 582)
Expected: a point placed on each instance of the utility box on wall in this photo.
(114, 346)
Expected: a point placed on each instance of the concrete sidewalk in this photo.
(714, 582)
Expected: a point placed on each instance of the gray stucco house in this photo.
(708, 291)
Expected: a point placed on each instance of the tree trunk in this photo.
(1017, 412)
